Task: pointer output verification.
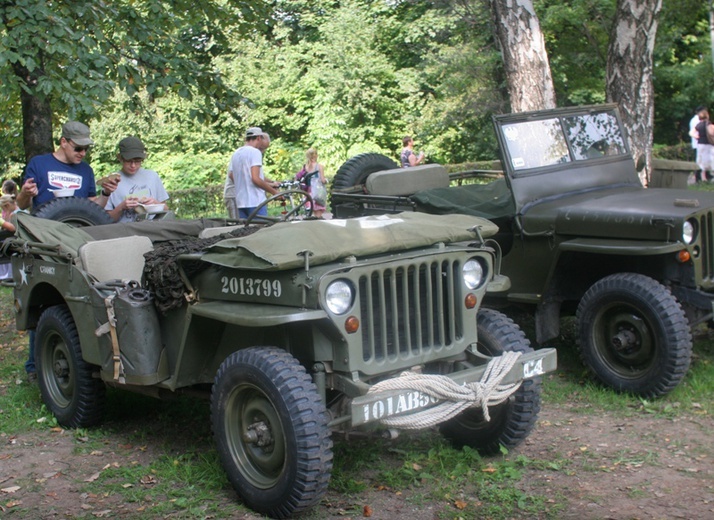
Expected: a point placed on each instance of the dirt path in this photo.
(600, 467)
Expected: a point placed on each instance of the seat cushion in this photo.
(115, 258)
(406, 181)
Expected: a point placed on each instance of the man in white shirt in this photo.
(695, 137)
(247, 170)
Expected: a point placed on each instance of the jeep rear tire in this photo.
(271, 432)
(356, 170)
(77, 212)
(634, 335)
(512, 421)
(66, 383)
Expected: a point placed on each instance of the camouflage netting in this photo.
(161, 271)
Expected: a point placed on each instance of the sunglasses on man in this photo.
(78, 148)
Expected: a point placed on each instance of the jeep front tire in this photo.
(634, 335)
(270, 427)
(512, 421)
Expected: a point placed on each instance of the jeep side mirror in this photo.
(640, 164)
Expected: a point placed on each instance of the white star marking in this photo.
(23, 275)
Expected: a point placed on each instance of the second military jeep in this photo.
(291, 330)
(580, 236)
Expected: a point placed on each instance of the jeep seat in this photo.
(115, 258)
(407, 181)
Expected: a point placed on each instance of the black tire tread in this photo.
(521, 411)
(88, 402)
(73, 210)
(309, 419)
(677, 332)
(355, 171)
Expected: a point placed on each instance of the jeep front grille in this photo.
(409, 310)
(705, 225)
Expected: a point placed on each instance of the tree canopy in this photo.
(345, 77)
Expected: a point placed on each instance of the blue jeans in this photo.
(245, 212)
(30, 363)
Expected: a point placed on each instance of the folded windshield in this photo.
(546, 142)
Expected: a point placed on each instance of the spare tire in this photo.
(356, 170)
(75, 211)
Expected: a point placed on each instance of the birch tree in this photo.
(525, 61)
(629, 73)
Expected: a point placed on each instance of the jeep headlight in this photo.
(688, 232)
(339, 296)
(473, 271)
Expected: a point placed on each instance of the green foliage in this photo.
(345, 78)
(577, 35)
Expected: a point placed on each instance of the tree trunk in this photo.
(530, 84)
(629, 73)
(36, 116)
(711, 30)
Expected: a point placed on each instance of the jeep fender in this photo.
(548, 309)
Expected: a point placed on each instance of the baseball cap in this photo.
(77, 132)
(254, 131)
(132, 148)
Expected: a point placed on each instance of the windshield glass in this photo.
(546, 142)
(594, 135)
(533, 144)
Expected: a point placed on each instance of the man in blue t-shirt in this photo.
(63, 168)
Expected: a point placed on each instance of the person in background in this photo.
(7, 229)
(248, 176)
(7, 203)
(312, 176)
(9, 187)
(705, 148)
(695, 138)
(229, 194)
(137, 186)
(408, 157)
(63, 168)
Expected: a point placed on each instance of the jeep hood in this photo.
(282, 246)
(637, 213)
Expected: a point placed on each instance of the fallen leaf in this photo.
(460, 504)
(148, 480)
(127, 486)
(489, 469)
(10, 489)
(13, 503)
(366, 511)
(97, 453)
(102, 514)
(94, 477)
(57, 429)
(416, 467)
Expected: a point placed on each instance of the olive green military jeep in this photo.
(292, 330)
(579, 235)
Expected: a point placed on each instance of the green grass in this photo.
(163, 463)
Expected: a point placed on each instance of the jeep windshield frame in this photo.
(554, 153)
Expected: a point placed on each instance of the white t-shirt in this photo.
(692, 125)
(229, 187)
(248, 195)
(144, 183)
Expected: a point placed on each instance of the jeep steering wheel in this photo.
(304, 196)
